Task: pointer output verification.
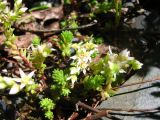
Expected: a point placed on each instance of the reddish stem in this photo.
(73, 116)
(25, 60)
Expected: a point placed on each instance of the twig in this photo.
(58, 30)
(10, 61)
(137, 83)
(87, 107)
(130, 110)
(105, 112)
(99, 112)
(97, 103)
(99, 115)
(73, 116)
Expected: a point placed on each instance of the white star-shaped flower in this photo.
(25, 79)
(23, 9)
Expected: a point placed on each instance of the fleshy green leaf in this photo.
(59, 77)
(135, 64)
(94, 82)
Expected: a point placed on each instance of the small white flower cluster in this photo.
(18, 6)
(7, 19)
(123, 58)
(43, 49)
(16, 84)
(119, 63)
(81, 60)
(7, 13)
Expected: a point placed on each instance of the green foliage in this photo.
(67, 37)
(36, 41)
(112, 66)
(4, 84)
(49, 115)
(31, 88)
(42, 7)
(71, 22)
(39, 54)
(60, 82)
(17, 84)
(67, 1)
(80, 69)
(118, 8)
(94, 82)
(98, 40)
(47, 106)
(135, 64)
(94, 55)
(65, 43)
(105, 6)
(82, 58)
(59, 77)
(8, 17)
(36, 56)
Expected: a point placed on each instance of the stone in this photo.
(144, 96)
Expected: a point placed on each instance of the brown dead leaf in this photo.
(54, 25)
(103, 49)
(41, 20)
(30, 26)
(24, 41)
(52, 13)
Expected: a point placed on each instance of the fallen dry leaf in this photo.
(24, 41)
(103, 49)
(41, 20)
(54, 25)
(52, 13)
